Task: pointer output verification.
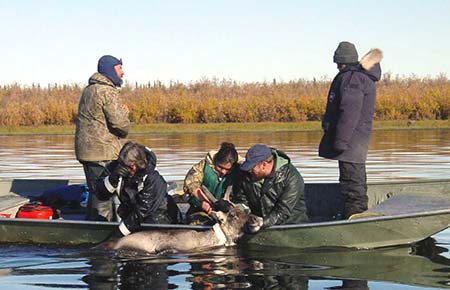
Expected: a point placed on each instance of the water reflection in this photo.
(255, 267)
(273, 268)
(393, 155)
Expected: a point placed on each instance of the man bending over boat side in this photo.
(141, 189)
(272, 187)
(215, 174)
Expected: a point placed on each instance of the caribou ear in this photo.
(227, 194)
(219, 216)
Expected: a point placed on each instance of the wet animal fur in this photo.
(157, 241)
(371, 58)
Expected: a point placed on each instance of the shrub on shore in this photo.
(219, 101)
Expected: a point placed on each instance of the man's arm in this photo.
(148, 202)
(194, 178)
(116, 114)
(287, 200)
(352, 98)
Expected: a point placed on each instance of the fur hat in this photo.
(345, 53)
(371, 58)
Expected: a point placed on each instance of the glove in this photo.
(339, 147)
(253, 224)
(120, 171)
(222, 205)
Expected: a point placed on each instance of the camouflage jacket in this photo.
(195, 178)
(102, 121)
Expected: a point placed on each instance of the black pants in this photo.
(97, 210)
(353, 184)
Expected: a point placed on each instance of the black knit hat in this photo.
(345, 53)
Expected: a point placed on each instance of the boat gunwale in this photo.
(362, 220)
(199, 227)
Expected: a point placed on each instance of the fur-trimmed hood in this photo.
(370, 62)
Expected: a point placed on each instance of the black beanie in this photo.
(106, 66)
(345, 53)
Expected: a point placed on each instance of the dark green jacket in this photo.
(278, 199)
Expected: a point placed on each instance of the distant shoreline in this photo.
(164, 128)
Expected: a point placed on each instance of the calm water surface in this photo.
(393, 155)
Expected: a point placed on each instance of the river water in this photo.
(393, 155)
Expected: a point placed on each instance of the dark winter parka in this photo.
(347, 123)
(143, 197)
(279, 198)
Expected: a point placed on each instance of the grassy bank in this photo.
(225, 101)
(230, 127)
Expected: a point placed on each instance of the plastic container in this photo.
(35, 211)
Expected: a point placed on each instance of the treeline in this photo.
(216, 101)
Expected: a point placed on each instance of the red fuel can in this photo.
(35, 211)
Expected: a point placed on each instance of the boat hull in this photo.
(323, 201)
(364, 233)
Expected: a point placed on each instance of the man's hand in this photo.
(206, 207)
(120, 171)
(125, 108)
(253, 224)
(204, 201)
(340, 147)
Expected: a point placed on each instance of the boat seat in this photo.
(10, 202)
(411, 203)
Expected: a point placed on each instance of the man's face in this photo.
(259, 171)
(132, 169)
(119, 71)
(223, 169)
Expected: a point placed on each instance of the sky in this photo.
(54, 41)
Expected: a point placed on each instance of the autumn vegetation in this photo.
(225, 101)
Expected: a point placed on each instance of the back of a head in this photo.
(133, 154)
(226, 154)
(345, 53)
(106, 66)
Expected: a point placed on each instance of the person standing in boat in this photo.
(140, 187)
(101, 126)
(216, 172)
(272, 187)
(347, 123)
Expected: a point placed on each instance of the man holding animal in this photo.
(141, 189)
(207, 182)
(272, 187)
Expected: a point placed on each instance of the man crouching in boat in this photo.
(142, 191)
(272, 187)
(206, 183)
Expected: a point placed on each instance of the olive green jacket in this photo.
(102, 121)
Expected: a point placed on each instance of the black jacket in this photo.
(347, 122)
(143, 197)
(279, 199)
